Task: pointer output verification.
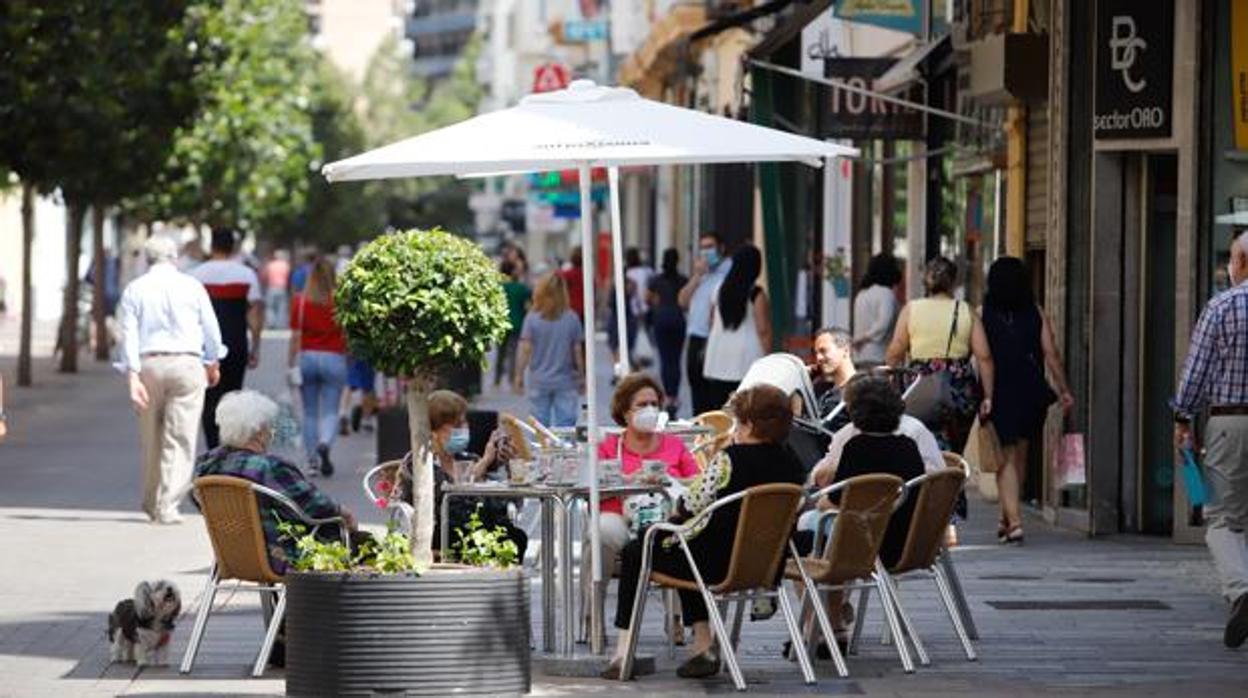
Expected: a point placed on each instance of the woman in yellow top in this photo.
(941, 334)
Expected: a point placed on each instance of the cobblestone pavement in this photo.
(1064, 615)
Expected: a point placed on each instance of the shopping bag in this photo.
(1071, 468)
(983, 448)
(1194, 479)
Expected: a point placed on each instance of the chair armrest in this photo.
(303, 516)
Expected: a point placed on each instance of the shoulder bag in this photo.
(934, 391)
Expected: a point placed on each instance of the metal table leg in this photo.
(548, 574)
(565, 577)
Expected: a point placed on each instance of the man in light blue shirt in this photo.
(698, 297)
(171, 354)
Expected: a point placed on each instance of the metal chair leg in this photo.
(795, 635)
(639, 610)
(955, 585)
(947, 596)
(737, 621)
(670, 622)
(907, 626)
(721, 634)
(890, 614)
(270, 636)
(860, 617)
(201, 620)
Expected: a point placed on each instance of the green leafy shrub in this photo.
(417, 301)
(390, 555)
(483, 547)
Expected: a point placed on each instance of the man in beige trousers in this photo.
(172, 352)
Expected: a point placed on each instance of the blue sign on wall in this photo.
(581, 30)
(900, 15)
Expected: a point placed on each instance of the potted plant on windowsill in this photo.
(411, 304)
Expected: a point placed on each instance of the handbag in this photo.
(983, 447)
(934, 391)
(294, 374)
(1194, 479)
(1071, 468)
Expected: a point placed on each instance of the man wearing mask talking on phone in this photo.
(710, 266)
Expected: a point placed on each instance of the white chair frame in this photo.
(715, 603)
(215, 583)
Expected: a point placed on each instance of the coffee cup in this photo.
(518, 471)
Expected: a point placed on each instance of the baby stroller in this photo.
(809, 437)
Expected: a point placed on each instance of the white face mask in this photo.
(649, 419)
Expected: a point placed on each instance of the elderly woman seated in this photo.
(448, 425)
(758, 456)
(246, 420)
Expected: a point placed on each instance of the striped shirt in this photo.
(233, 287)
(1216, 372)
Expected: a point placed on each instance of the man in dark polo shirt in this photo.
(238, 302)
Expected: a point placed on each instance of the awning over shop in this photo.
(906, 71)
(648, 68)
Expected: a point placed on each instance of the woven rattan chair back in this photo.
(232, 516)
(935, 496)
(519, 439)
(865, 507)
(764, 524)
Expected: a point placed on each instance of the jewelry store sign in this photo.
(1134, 69)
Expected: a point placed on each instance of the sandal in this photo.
(1014, 536)
(699, 666)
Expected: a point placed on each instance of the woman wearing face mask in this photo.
(448, 425)
(637, 406)
(758, 456)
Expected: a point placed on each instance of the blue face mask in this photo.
(458, 442)
(711, 256)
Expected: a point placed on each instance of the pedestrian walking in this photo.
(940, 334)
(740, 326)
(668, 320)
(552, 355)
(875, 310)
(238, 304)
(639, 274)
(276, 278)
(574, 282)
(697, 298)
(630, 329)
(1020, 338)
(1215, 377)
(319, 350)
(518, 297)
(172, 350)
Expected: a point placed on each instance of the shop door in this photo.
(1157, 353)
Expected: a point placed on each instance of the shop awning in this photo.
(647, 68)
(905, 72)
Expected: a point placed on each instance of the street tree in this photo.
(80, 115)
(245, 156)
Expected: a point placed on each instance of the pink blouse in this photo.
(671, 450)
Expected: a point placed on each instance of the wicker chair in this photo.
(390, 473)
(953, 460)
(707, 446)
(935, 495)
(850, 559)
(522, 435)
(232, 515)
(764, 527)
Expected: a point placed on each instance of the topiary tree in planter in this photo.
(412, 304)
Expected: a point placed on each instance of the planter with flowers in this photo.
(385, 620)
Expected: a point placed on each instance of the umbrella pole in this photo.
(621, 295)
(591, 443)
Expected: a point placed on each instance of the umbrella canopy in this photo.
(586, 123)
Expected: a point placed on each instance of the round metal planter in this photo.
(456, 631)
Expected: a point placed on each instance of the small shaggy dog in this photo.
(140, 628)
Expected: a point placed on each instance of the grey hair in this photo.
(160, 248)
(242, 414)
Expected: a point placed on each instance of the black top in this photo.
(1018, 355)
(667, 288)
(751, 465)
(887, 454)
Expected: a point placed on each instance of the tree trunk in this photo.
(75, 214)
(99, 304)
(422, 474)
(24, 375)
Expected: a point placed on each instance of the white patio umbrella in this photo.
(584, 126)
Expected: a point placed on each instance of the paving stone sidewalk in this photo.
(1063, 615)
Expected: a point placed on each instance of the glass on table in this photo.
(462, 471)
